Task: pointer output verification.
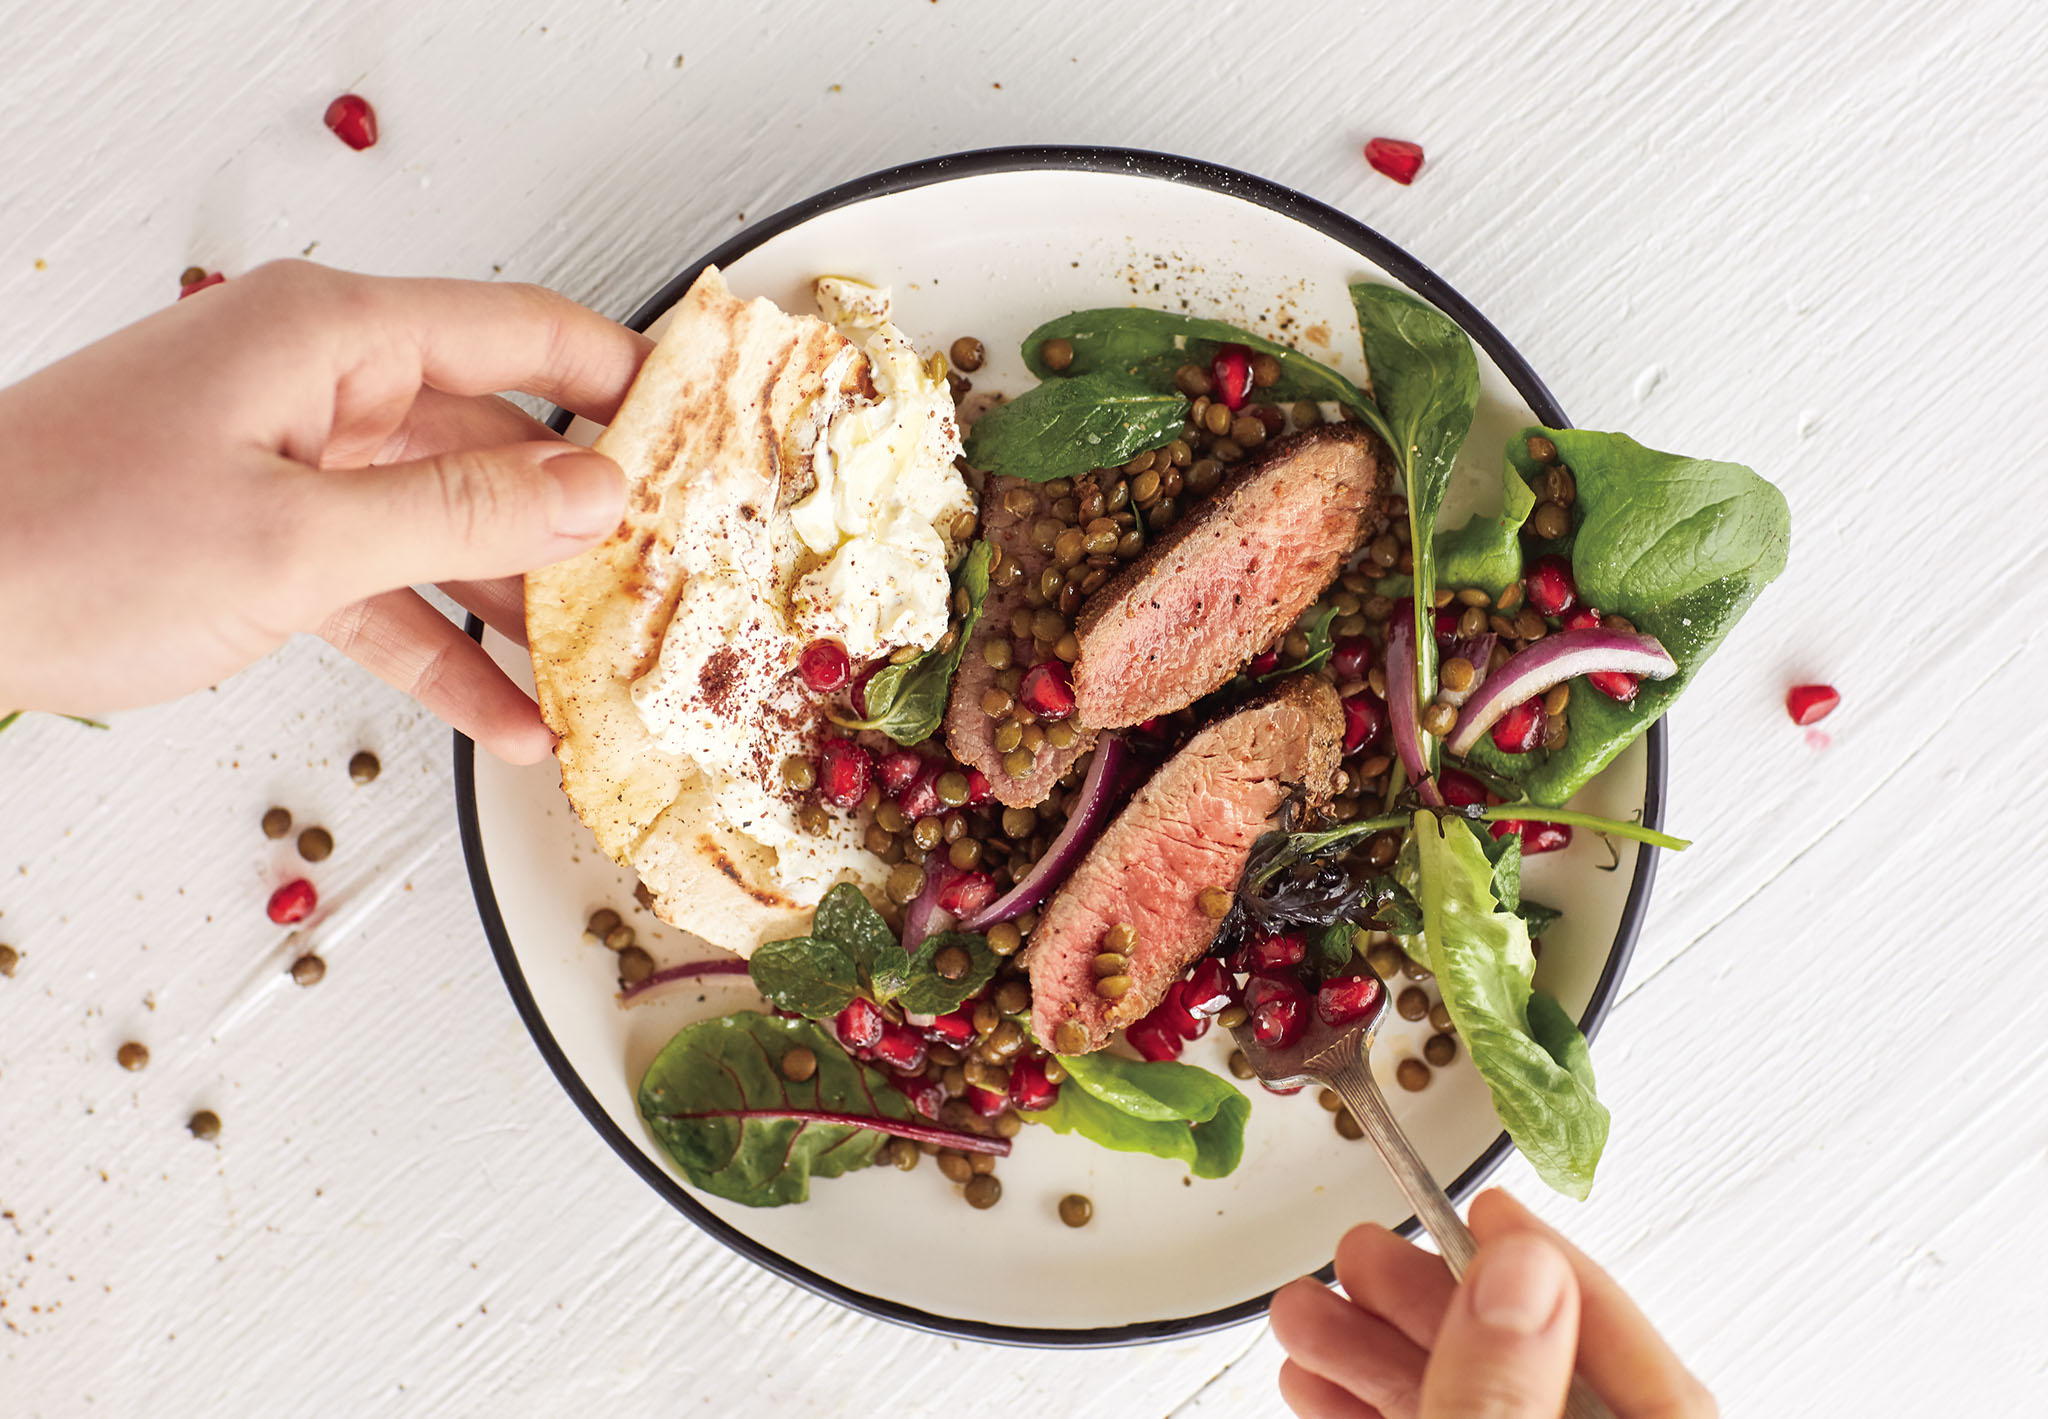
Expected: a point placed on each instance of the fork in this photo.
(1338, 1057)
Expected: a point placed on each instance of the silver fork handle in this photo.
(1361, 1093)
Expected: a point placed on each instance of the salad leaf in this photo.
(1155, 343)
(1505, 853)
(9, 718)
(812, 977)
(1167, 1109)
(923, 991)
(697, 1094)
(1681, 547)
(851, 951)
(1487, 551)
(1320, 646)
(1064, 427)
(1331, 951)
(1533, 1060)
(1537, 917)
(848, 920)
(907, 702)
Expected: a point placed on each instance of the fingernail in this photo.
(590, 494)
(1521, 1285)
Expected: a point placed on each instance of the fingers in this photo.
(465, 515)
(1621, 1354)
(1312, 1397)
(1395, 1280)
(1505, 1348)
(406, 643)
(437, 423)
(1353, 1349)
(501, 603)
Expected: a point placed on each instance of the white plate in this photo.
(991, 244)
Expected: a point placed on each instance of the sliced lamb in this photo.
(1191, 826)
(970, 733)
(1233, 576)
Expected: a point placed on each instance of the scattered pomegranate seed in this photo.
(1352, 658)
(1395, 158)
(956, 1029)
(987, 1102)
(194, 287)
(1030, 1090)
(898, 770)
(1615, 684)
(901, 1048)
(351, 119)
(294, 901)
(1810, 704)
(967, 893)
(1264, 663)
(1048, 690)
(1582, 618)
(845, 769)
(859, 1025)
(1231, 368)
(926, 1095)
(1460, 789)
(1536, 837)
(1550, 587)
(1343, 999)
(1365, 721)
(1276, 950)
(1175, 1012)
(1521, 728)
(921, 798)
(825, 667)
(978, 788)
(1154, 1038)
(1279, 1010)
(1208, 988)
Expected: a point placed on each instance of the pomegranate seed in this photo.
(1460, 789)
(1536, 837)
(1550, 587)
(1153, 725)
(926, 1095)
(201, 284)
(1343, 999)
(351, 119)
(825, 667)
(1521, 728)
(1048, 690)
(1810, 704)
(978, 788)
(921, 798)
(1615, 685)
(1276, 1089)
(956, 1029)
(1582, 618)
(845, 769)
(294, 901)
(1264, 663)
(901, 1048)
(967, 893)
(1154, 1038)
(1446, 625)
(1175, 1012)
(1270, 417)
(1395, 158)
(986, 1102)
(859, 1025)
(899, 767)
(1030, 1090)
(1231, 367)
(1279, 1010)
(1208, 988)
(1276, 950)
(1365, 721)
(1352, 658)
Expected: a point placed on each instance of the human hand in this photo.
(292, 451)
(1410, 1343)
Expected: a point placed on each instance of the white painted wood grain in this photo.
(1808, 240)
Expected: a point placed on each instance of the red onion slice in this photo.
(1552, 661)
(1090, 812)
(1401, 710)
(691, 970)
(924, 916)
(1475, 651)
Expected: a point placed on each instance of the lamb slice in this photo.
(1221, 585)
(970, 734)
(1191, 826)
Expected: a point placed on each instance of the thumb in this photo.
(468, 514)
(1507, 1342)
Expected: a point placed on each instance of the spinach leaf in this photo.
(814, 978)
(847, 920)
(1681, 547)
(1536, 917)
(698, 1094)
(1064, 427)
(1167, 1109)
(1487, 551)
(923, 991)
(1541, 1083)
(907, 702)
(1155, 343)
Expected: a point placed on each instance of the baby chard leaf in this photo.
(1164, 1108)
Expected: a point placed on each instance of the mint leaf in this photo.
(814, 978)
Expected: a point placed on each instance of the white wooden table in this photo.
(1811, 243)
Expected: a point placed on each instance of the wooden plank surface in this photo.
(1808, 241)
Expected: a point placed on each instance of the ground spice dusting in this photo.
(719, 679)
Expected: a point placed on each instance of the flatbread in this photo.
(714, 413)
